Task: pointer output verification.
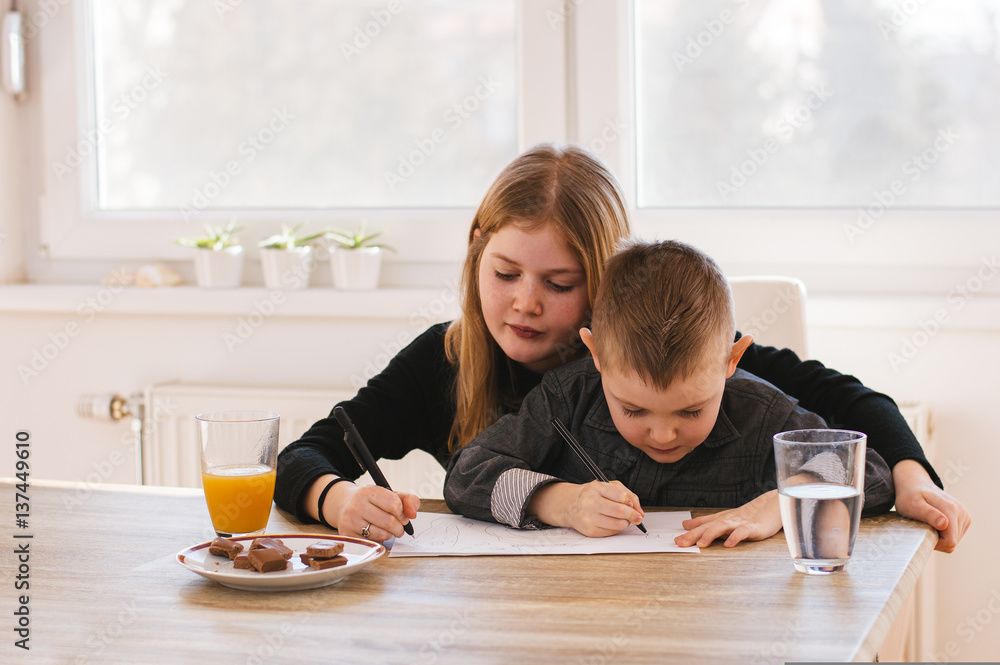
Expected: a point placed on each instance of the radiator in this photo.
(911, 638)
(170, 454)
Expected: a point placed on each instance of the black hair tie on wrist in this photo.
(322, 498)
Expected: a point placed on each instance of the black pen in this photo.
(361, 453)
(582, 454)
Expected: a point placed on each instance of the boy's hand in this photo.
(756, 520)
(596, 509)
(917, 497)
(604, 509)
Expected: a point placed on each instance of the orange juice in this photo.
(239, 496)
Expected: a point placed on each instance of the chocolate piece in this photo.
(272, 543)
(267, 559)
(225, 547)
(322, 564)
(242, 561)
(325, 549)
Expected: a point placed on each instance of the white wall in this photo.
(66, 348)
(955, 371)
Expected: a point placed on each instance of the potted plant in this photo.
(287, 259)
(218, 258)
(355, 260)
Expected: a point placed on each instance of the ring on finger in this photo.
(365, 531)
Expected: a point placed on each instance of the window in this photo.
(853, 234)
(284, 104)
(781, 136)
(159, 116)
(801, 103)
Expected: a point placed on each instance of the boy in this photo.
(660, 407)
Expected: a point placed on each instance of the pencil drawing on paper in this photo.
(453, 535)
(441, 534)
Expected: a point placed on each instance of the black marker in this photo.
(361, 453)
(584, 457)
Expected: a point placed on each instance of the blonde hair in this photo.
(564, 186)
(663, 311)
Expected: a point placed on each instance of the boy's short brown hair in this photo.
(663, 310)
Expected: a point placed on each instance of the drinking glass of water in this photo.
(821, 481)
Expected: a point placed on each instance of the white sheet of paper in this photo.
(438, 534)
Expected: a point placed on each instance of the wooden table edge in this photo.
(868, 649)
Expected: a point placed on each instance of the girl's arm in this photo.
(843, 401)
(405, 407)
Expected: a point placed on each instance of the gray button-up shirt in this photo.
(494, 477)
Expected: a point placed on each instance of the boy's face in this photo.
(667, 424)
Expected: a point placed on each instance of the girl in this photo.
(536, 250)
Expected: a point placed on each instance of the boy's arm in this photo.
(880, 493)
(494, 477)
(506, 473)
(492, 487)
(878, 490)
(759, 518)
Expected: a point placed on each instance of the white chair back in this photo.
(772, 309)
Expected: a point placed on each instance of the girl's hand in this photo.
(756, 520)
(917, 497)
(351, 508)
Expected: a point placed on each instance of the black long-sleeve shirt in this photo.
(411, 405)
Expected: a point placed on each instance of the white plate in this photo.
(358, 552)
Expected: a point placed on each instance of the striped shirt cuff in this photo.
(511, 493)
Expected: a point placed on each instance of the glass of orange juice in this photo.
(239, 452)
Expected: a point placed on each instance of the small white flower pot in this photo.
(287, 269)
(356, 269)
(222, 269)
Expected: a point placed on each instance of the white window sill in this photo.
(978, 312)
(315, 302)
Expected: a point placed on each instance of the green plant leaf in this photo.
(355, 240)
(309, 238)
(287, 239)
(214, 239)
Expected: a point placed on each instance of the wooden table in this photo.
(104, 588)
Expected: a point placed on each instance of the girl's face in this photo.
(533, 292)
